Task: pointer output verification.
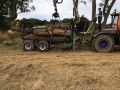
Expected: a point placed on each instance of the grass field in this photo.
(58, 69)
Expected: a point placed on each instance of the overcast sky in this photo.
(45, 9)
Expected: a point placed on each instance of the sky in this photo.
(45, 9)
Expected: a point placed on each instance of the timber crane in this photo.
(76, 18)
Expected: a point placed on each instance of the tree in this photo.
(107, 6)
(4, 20)
(31, 22)
(21, 5)
(81, 24)
(93, 14)
(67, 20)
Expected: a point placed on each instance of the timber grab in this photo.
(56, 14)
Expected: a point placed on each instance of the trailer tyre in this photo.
(43, 46)
(28, 45)
(103, 43)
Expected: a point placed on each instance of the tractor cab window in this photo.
(115, 21)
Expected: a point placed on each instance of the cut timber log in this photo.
(40, 27)
(52, 31)
(29, 37)
(59, 31)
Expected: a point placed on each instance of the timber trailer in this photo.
(44, 41)
(102, 41)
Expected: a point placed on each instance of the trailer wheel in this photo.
(103, 43)
(28, 45)
(42, 46)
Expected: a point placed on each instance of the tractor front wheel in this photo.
(103, 43)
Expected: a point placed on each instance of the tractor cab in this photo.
(115, 21)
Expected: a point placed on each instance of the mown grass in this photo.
(3, 37)
(14, 38)
(59, 70)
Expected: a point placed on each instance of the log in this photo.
(59, 31)
(40, 27)
(29, 36)
(52, 31)
(43, 33)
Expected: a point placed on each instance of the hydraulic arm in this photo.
(56, 14)
(76, 18)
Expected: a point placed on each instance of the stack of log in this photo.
(57, 30)
(41, 30)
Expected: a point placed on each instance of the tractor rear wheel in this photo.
(103, 43)
(28, 45)
(43, 46)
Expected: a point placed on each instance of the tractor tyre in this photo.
(93, 44)
(103, 43)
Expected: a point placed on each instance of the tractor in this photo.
(106, 40)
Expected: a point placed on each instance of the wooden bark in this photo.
(13, 12)
(59, 31)
(93, 14)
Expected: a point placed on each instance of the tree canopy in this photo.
(9, 10)
(33, 22)
(4, 20)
